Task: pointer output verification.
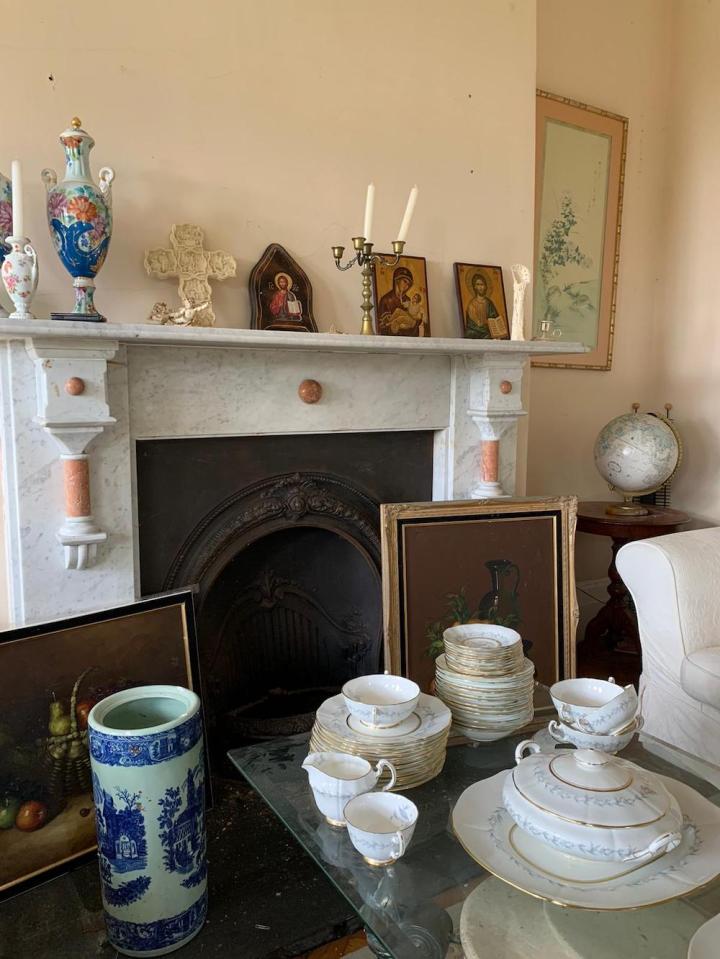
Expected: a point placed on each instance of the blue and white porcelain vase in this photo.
(80, 219)
(146, 752)
(5, 223)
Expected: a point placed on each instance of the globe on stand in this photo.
(636, 454)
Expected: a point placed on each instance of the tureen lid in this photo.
(591, 787)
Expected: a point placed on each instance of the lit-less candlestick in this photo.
(409, 210)
(369, 210)
(17, 200)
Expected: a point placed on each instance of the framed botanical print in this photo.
(579, 177)
(401, 297)
(508, 562)
(51, 675)
(481, 302)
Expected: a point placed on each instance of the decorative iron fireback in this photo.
(289, 602)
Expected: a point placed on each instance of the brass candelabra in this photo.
(364, 257)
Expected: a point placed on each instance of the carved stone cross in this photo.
(193, 266)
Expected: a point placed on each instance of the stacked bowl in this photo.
(595, 714)
(485, 680)
(387, 718)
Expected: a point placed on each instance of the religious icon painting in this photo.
(401, 297)
(280, 294)
(481, 301)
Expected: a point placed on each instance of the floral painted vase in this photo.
(5, 221)
(80, 219)
(147, 757)
(20, 276)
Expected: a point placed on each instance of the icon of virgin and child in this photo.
(401, 312)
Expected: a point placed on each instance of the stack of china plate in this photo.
(415, 746)
(485, 680)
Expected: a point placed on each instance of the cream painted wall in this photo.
(613, 55)
(687, 321)
(264, 122)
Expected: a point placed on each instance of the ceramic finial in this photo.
(76, 123)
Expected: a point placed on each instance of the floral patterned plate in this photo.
(489, 835)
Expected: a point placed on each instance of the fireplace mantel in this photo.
(77, 396)
(144, 334)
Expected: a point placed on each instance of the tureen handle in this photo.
(664, 843)
(384, 764)
(528, 744)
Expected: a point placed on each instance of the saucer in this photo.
(403, 728)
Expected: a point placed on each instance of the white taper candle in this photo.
(405, 225)
(369, 210)
(17, 199)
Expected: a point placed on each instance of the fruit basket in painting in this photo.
(66, 748)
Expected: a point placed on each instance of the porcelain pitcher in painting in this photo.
(80, 217)
(501, 604)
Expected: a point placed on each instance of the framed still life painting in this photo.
(401, 297)
(508, 562)
(51, 676)
(481, 302)
(579, 177)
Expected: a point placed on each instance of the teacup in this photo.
(335, 778)
(594, 705)
(381, 700)
(380, 826)
(562, 733)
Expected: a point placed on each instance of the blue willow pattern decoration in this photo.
(165, 933)
(122, 845)
(80, 217)
(143, 750)
(182, 828)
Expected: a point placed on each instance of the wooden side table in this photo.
(616, 622)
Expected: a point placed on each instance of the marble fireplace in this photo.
(84, 405)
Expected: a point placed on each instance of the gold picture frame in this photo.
(440, 553)
(579, 181)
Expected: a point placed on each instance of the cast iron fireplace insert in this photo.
(282, 537)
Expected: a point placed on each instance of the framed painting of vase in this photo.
(51, 675)
(508, 562)
(481, 302)
(579, 177)
(401, 297)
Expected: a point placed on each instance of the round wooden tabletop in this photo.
(593, 518)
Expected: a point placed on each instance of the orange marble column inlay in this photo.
(489, 460)
(77, 487)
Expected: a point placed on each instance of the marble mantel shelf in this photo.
(145, 334)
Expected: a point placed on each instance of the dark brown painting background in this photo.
(441, 557)
(136, 649)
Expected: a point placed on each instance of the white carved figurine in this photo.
(161, 313)
(521, 278)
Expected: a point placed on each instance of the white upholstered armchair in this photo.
(675, 584)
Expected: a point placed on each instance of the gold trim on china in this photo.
(565, 879)
(392, 513)
(566, 782)
(559, 365)
(574, 905)
(580, 822)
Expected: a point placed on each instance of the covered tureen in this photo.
(592, 805)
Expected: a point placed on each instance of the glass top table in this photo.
(412, 909)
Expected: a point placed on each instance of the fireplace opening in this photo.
(290, 619)
(286, 563)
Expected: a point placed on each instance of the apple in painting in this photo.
(31, 815)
